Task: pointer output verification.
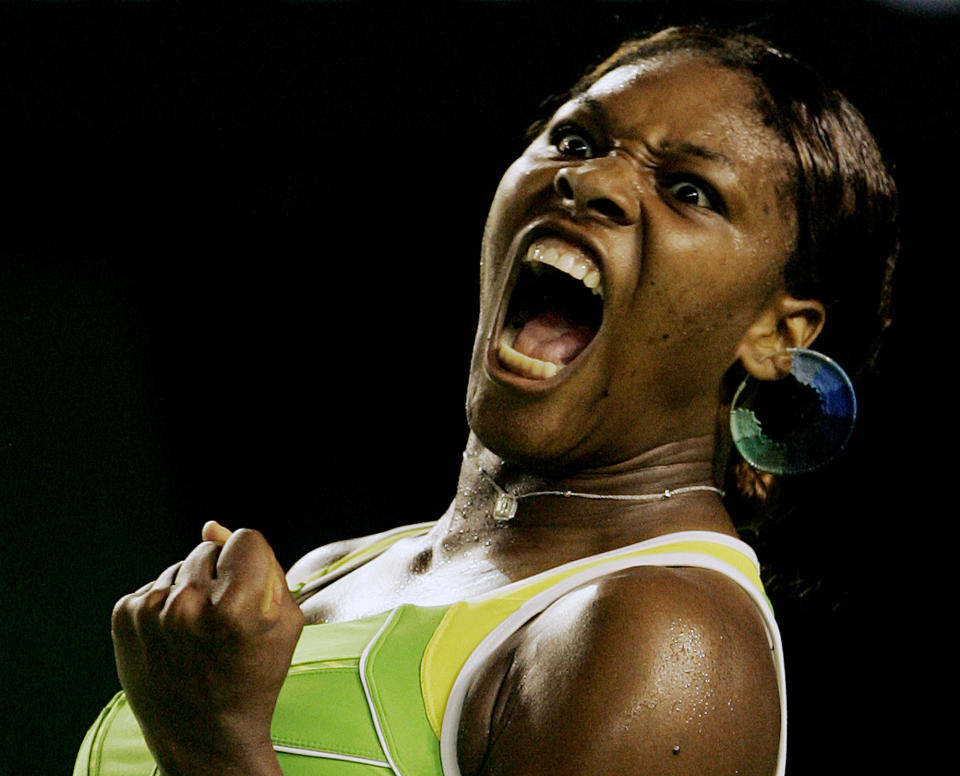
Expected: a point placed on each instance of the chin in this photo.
(524, 431)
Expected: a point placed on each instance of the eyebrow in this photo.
(692, 149)
(595, 107)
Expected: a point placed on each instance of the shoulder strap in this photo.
(367, 551)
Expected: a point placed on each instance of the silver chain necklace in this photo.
(505, 507)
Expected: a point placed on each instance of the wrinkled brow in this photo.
(667, 149)
(692, 149)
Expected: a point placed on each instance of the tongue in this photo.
(550, 337)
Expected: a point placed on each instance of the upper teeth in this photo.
(573, 263)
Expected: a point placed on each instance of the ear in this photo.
(785, 323)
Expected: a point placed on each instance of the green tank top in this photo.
(383, 695)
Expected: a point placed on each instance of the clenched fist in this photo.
(202, 652)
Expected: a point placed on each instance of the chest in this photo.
(405, 574)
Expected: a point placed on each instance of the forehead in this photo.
(686, 99)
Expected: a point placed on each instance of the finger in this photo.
(122, 617)
(169, 575)
(136, 615)
(199, 566)
(214, 532)
(164, 580)
(251, 571)
(191, 592)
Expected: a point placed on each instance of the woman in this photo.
(696, 207)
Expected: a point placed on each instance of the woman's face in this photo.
(659, 187)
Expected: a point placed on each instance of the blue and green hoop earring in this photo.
(797, 424)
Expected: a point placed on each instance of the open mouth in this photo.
(554, 312)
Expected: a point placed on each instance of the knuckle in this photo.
(208, 548)
(153, 600)
(232, 615)
(249, 536)
(147, 609)
(180, 607)
(122, 614)
(137, 612)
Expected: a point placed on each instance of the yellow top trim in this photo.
(362, 555)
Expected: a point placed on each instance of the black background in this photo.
(238, 281)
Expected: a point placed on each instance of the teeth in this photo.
(525, 365)
(574, 264)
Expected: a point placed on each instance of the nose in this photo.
(603, 188)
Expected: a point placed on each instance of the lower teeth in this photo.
(525, 365)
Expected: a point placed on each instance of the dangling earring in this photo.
(796, 424)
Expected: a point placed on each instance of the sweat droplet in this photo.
(676, 749)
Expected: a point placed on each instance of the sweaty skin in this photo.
(667, 179)
(683, 280)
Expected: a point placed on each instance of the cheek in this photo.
(524, 187)
(516, 187)
(679, 298)
(521, 192)
(711, 284)
(689, 317)
(499, 226)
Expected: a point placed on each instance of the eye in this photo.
(572, 141)
(695, 193)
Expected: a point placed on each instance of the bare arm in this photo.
(649, 671)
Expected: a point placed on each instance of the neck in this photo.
(586, 525)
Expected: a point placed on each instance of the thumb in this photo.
(216, 533)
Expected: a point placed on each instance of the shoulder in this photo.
(648, 670)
